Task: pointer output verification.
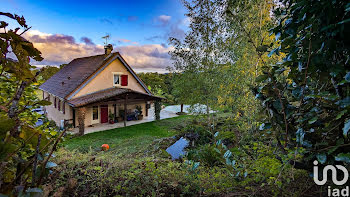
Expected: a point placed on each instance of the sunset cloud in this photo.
(61, 49)
(87, 41)
(152, 57)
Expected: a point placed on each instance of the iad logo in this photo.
(335, 191)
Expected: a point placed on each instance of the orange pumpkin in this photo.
(105, 147)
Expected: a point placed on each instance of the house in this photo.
(89, 89)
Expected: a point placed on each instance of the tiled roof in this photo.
(105, 94)
(73, 74)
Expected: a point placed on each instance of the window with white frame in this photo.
(116, 79)
(95, 113)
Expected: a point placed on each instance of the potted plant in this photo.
(111, 118)
(139, 109)
(121, 115)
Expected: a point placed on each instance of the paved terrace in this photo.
(167, 112)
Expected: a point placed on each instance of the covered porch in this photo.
(111, 108)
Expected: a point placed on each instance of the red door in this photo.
(104, 113)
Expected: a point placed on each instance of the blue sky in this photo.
(137, 28)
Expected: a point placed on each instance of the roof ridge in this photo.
(92, 56)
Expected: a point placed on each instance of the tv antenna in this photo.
(107, 36)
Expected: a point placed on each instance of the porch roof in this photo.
(107, 94)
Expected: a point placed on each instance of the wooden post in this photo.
(74, 124)
(182, 108)
(125, 109)
(146, 108)
(115, 111)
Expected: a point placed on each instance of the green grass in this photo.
(126, 140)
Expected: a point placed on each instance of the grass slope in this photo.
(127, 139)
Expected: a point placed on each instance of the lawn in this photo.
(127, 139)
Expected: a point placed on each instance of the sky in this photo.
(139, 30)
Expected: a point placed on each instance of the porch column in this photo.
(115, 111)
(146, 107)
(125, 109)
(81, 119)
(74, 124)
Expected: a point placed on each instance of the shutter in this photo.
(124, 80)
(55, 103)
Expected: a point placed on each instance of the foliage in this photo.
(157, 108)
(111, 116)
(198, 58)
(160, 85)
(47, 72)
(146, 176)
(206, 154)
(23, 145)
(307, 93)
(138, 164)
(139, 109)
(248, 23)
(121, 113)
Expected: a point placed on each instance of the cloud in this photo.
(87, 41)
(57, 38)
(105, 20)
(186, 21)
(163, 20)
(152, 57)
(154, 38)
(171, 30)
(126, 41)
(58, 48)
(175, 31)
(61, 49)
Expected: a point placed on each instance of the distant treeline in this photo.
(160, 84)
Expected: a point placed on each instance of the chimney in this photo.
(108, 49)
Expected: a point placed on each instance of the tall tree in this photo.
(199, 56)
(248, 24)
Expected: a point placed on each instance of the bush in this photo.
(99, 174)
(207, 154)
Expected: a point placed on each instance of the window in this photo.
(59, 105)
(95, 112)
(55, 103)
(116, 79)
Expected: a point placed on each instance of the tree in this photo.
(22, 143)
(248, 24)
(48, 71)
(307, 94)
(81, 120)
(198, 58)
